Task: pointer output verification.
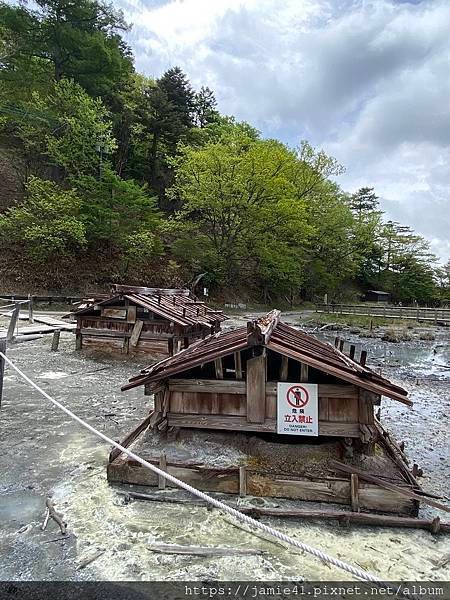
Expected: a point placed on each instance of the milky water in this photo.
(45, 453)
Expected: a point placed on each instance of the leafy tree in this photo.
(75, 39)
(66, 129)
(45, 225)
(244, 199)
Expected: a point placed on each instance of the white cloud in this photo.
(368, 80)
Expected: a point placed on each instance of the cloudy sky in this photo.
(367, 80)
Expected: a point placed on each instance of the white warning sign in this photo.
(298, 408)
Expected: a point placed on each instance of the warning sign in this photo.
(298, 412)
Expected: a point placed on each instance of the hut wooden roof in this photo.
(174, 305)
(275, 335)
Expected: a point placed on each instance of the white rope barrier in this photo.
(359, 573)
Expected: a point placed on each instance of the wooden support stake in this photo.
(284, 367)
(363, 358)
(78, 340)
(13, 323)
(341, 345)
(163, 467)
(354, 492)
(352, 352)
(55, 340)
(336, 342)
(30, 309)
(2, 366)
(238, 365)
(242, 481)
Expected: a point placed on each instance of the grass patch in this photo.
(364, 321)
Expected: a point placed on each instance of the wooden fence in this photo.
(438, 316)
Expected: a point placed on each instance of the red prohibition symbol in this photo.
(297, 396)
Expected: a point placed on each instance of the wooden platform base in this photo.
(248, 476)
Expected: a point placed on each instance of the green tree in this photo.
(46, 225)
(205, 107)
(65, 129)
(77, 40)
(247, 200)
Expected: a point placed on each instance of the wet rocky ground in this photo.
(45, 454)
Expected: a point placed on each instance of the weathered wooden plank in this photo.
(135, 334)
(323, 409)
(213, 386)
(129, 439)
(131, 314)
(240, 423)
(256, 389)
(343, 410)
(163, 466)
(366, 404)
(114, 313)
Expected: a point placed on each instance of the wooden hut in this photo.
(377, 296)
(134, 320)
(279, 407)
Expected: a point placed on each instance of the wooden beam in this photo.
(129, 439)
(256, 389)
(238, 365)
(136, 333)
(239, 423)
(388, 486)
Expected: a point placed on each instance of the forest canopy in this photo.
(117, 176)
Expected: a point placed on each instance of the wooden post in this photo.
(163, 467)
(336, 342)
(242, 481)
(78, 340)
(352, 352)
(219, 368)
(256, 389)
(363, 358)
(341, 345)
(304, 373)
(13, 323)
(55, 340)
(284, 367)
(238, 365)
(30, 309)
(2, 366)
(354, 492)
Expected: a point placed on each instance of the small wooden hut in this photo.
(134, 320)
(278, 407)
